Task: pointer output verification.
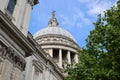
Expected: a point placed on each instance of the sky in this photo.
(75, 16)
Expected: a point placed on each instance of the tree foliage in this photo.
(100, 60)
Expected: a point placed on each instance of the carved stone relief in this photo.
(11, 55)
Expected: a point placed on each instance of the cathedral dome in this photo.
(53, 34)
(54, 31)
(58, 43)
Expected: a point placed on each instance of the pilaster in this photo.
(26, 19)
(19, 12)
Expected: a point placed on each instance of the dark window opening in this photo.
(72, 57)
(64, 58)
(64, 55)
(56, 55)
(11, 6)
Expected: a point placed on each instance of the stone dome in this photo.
(54, 30)
(58, 43)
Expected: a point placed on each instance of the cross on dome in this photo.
(53, 14)
(53, 21)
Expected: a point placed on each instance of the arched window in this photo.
(11, 6)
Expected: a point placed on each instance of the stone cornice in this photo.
(18, 37)
(53, 43)
(38, 66)
(54, 35)
(36, 1)
(58, 36)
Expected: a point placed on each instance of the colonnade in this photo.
(64, 56)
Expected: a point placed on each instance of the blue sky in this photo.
(75, 16)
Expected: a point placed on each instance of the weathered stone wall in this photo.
(40, 70)
(11, 64)
(21, 14)
(20, 57)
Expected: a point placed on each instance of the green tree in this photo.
(100, 60)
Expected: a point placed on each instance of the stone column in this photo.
(76, 58)
(51, 52)
(69, 57)
(60, 58)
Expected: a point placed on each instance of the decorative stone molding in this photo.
(2, 49)
(56, 39)
(32, 2)
(11, 55)
(9, 15)
(38, 65)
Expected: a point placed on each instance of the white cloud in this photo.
(77, 19)
(83, 20)
(65, 19)
(96, 7)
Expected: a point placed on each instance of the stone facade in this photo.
(21, 57)
(21, 13)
